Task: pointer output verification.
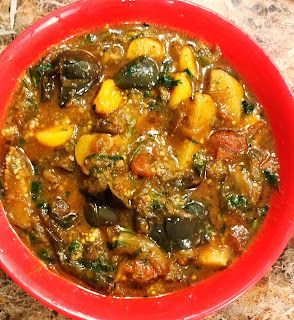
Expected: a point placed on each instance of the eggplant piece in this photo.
(184, 180)
(196, 208)
(99, 215)
(140, 73)
(45, 77)
(79, 70)
(88, 261)
(18, 175)
(142, 248)
(180, 233)
(176, 234)
(159, 235)
(114, 123)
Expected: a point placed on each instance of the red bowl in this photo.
(263, 79)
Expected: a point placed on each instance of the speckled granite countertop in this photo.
(271, 24)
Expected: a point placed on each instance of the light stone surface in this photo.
(271, 24)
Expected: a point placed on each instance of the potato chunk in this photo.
(188, 61)
(18, 175)
(99, 143)
(55, 136)
(200, 116)
(202, 112)
(227, 92)
(185, 151)
(108, 98)
(145, 47)
(84, 148)
(181, 92)
(214, 256)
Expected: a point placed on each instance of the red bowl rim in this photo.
(207, 296)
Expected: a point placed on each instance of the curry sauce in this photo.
(137, 161)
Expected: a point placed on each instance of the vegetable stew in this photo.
(136, 161)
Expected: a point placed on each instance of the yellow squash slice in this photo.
(145, 47)
(227, 92)
(55, 136)
(181, 92)
(188, 61)
(108, 98)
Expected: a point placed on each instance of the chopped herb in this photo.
(153, 105)
(34, 76)
(237, 202)
(38, 71)
(137, 253)
(31, 103)
(131, 124)
(164, 78)
(33, 237)
(67, 194)
(105, 156)
(94, 170)
(199, 162)
(21, 141)
(166, 66)
(90, 38)
(26, 80)
(71, 144)
(262, 211)
(112, 245)
(44, 206)
(192, 140)
(155, 204)
(68, 221)
(167, 81)
(247, 107)
(101, 264)
(43, 68)
(44, 255)
(254, 224)
(223, 228)
(272, 178)
(208, 232)
(35, 190)
(140, 146)
(163, 102)
(146, 94)
(30, 95)
(36, 168)
(189, 73)
(74, 246)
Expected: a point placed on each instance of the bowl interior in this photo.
(263, 80)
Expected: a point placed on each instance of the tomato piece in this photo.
(237, 238)
(140, 271)
(141, 165)
(260, 136)
(103, 143)
(226, 145)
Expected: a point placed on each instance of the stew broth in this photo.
(137, 161)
